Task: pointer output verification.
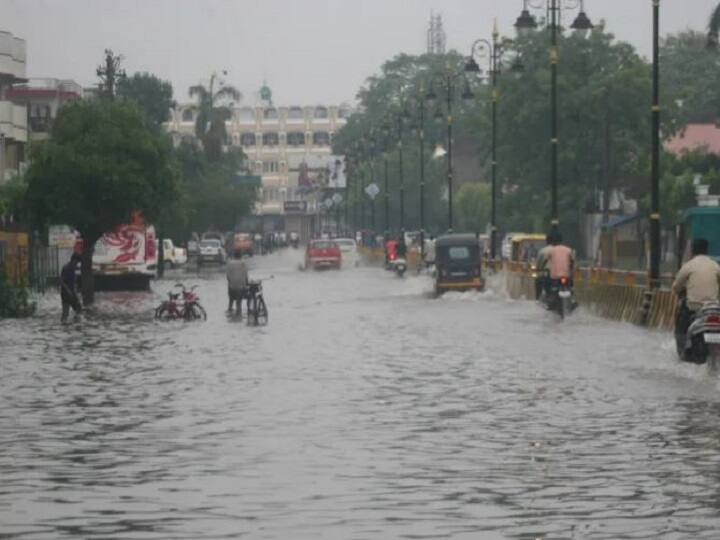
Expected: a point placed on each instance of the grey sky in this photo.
(310, 51)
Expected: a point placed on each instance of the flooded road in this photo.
(364, 410)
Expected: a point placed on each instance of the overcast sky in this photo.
(309, 51)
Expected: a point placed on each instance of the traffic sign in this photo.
(372, 190)
(337, 198)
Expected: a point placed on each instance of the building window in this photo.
(270, 166)
(344, 112)
(187, 115)
(270, 114)
(247, 139)
(283, 166)
(320, 112)
(258, 167)
(296, 113)
(270, 139)
(321, 138)
(296, 138)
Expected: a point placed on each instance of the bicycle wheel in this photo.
(252, 310)
(261, 312)
(194, 312)
(163, 313)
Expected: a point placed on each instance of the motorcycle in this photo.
(399, 265)
(559, 297)
(702, 341)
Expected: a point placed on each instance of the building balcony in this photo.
(12, 56)
(13, 121)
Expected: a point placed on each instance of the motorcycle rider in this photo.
(560, 259)
(542, 280)
(696, 283)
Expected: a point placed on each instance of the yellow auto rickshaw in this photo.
(458, 263)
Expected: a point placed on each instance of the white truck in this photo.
(173, 256)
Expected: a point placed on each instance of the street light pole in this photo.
(421, 135)
(554, 58)
(387, 198)
(582, 24)
(655, 180)
(449, 151)
(400, 172)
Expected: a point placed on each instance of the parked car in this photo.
(323, 254)
(212, 250)
(173, 256)
(348, 249)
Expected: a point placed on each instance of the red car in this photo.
(323, 254)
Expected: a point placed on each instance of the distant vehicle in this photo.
(525, 247)
(349, 251)
(700, 222)
(458, 262)
(506, 246)
(193, 245)
(212, 250)
(243, 243)
(323, 254)
(126, 257)
(294, 239)
(173, 256)
(213, 235)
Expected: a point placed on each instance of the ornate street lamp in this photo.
(494, 51)
(527, 23)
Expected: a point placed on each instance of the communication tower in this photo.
(436, 38)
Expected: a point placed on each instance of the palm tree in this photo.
(714, 28)
(213, 111)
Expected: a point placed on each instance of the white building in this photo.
(281, 143)
(13, 117)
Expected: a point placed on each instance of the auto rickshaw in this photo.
(525, 247)
(458, 263)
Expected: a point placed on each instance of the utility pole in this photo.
(110, 73)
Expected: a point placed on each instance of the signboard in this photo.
(372, 190)
(61, 236)
(337, 198)
(295, 207)
(319, 171)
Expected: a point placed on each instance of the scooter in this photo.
(559, 297)
(399, 265)
(702, 341)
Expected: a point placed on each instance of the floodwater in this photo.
(364, 410)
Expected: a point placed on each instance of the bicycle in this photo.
(257, 309)
(188, 309)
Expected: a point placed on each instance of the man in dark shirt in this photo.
(69, 286)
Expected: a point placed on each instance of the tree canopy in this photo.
(101, 164)
(153, 95)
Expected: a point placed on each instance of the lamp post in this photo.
(449, 85)
(420, 130)
(495, 52)
(655, 174)
(526, 22)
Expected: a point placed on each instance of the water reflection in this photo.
(363, 410)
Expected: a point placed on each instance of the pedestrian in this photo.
(430, 251)
(237, 278)
(69, 288)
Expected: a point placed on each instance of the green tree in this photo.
(12, 199)
(153, 95)
(714, 28)
(690, 78)
(210, 195)
(213, 111)
(473, 204)
(101, 164)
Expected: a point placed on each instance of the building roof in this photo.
(695, 137)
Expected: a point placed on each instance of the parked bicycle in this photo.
(257, 309)
(183, 305)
